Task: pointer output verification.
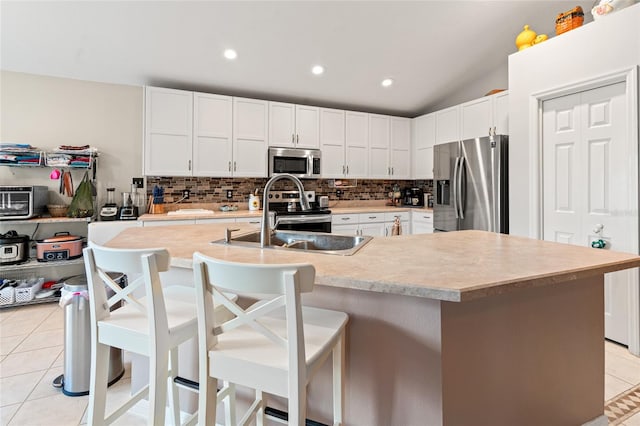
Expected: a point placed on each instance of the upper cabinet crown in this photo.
(200, 134)
(296, 126)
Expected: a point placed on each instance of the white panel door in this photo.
(332, 136)
(400, 144)
(282, 120)
(168, 132)
(588, 161)
(212, 135)
(250, 137)
(357, 144)
(307, 126)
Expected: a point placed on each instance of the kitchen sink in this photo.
(316, 242)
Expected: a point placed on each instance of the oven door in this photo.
(309, 223)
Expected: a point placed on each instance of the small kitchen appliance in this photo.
(413, 197)
(22, 202)
(62, 246)
(129, 209)
(14, 248)
(110, 209)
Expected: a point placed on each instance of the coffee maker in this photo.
(413, 197)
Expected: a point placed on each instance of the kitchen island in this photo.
(461, 328)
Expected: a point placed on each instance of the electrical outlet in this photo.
(185, 194)
(229, 193)
(338, 192)
(138, 182)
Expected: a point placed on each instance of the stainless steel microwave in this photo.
(302, 163)
(22, 202)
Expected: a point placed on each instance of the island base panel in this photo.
(528, 357)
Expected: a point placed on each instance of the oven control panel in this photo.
(290, 196)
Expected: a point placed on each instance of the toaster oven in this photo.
(22, 202)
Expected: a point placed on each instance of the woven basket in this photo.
(57, 210)
(569, 20)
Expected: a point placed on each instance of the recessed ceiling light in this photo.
(387, 82)
(317, 69)
(230, 54)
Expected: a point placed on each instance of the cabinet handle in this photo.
(293, 139)
(343, 169)
(297, 139)
(388, 170)
(393, 172)
(345, 218)
(189, 164)
(234, 166)
(347, 169)
(373, 217)
(229, 165)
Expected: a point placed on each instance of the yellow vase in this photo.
(525, 38)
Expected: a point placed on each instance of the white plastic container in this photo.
(254, 202)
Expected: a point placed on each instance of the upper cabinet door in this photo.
(424, 138)
(212, 138)
(250, 122)
(168, 132)
(501, 113)
(282, 119)
(448, 125)
(307, 127)
(400, 143)
(332, 134)
(477, 117)
(356, 143)
(379, 135)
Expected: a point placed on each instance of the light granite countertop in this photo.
(453, 266)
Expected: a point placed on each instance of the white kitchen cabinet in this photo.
(374, 224)
(250, 137)
(356, 144)
(405, 222)
(198, 134)
(424, 138)
(480, 115)
(448, 125)
(332, 143)
(212, 135)
(421, 222)
(168, 132)
(389, 147)
(400, 142)
(295, 126)
(379, 136)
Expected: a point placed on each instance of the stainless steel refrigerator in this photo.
(471, 180)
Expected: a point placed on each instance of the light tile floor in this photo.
(31, 356)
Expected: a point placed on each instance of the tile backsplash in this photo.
(214, 190)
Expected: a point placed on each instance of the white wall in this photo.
(47, 111)
(602, 47)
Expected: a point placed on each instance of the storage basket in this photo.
(57, 210)
(569, 20)
(7, 296)
(28, 292)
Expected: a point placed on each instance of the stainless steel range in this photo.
(290, 216)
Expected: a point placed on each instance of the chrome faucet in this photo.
(265, 228)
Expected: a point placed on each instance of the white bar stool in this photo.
(275, 345)
(153, 326)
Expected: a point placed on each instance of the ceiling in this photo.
(437, 52)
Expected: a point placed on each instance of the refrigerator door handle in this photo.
(454, 186)
(460, 190)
